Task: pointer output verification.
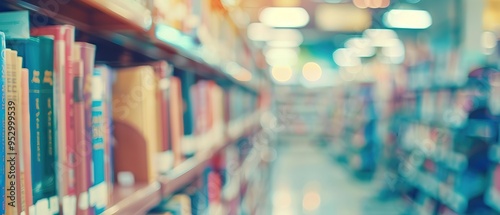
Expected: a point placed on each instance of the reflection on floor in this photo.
(306, 181)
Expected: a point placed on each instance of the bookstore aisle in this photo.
(305, 180)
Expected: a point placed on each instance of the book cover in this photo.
(25, 145)
(134, 105)
(98, 191)
(176, 122)
(188, 144)
(29, 50)
(47, 118)
(63, 86)
(2, 119)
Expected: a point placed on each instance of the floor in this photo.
(307, 181)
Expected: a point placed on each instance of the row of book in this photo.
(223, 186)
(72, 129)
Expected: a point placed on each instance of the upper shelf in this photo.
(128, 24)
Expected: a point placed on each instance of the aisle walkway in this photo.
(306, 181)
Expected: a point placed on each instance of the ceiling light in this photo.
(409, 19)
(346, 58)
(361, 47)
(342, 17)
(258, 32)
(311, 71)
(379, 37)
(284, 17)
(285, 38)
(281, 56)
(281, 73)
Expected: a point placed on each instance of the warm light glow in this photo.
(311, 71)
(285, 38)
(346, 58)
(311, 201)
(379, 37)
(281, 73)
(281, 56)
(394, 51)
(361, 47)
(489, 42)
(409, 19)
(259, 32)
(371, 3)
(284, 17)
(342, 17)
(286, 3)
(243, 75)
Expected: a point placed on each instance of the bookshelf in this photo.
(142, 197)
(123, 23)
(129, 25)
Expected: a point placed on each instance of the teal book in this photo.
(99, 185)
(2, 118)
(47, 119)
(29, 50)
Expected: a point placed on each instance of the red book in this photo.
(176, 120)
(162, 74)
(64, 36)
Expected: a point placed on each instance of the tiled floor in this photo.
(305, 180)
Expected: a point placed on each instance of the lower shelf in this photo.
(138, 199)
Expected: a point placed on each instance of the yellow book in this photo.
(12, 112)
(135, 115)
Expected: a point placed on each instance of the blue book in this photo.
(29, 50)
(2, 125)
(98, 151)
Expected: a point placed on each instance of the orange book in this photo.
(24, 147)
(135, 115)
(176, 120)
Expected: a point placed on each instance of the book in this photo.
(99, 190)
(29, 50)
(25, 146)
(82, 173)
(108, 78)
(134, 114)
(63, 56)
(165, 157)
(47, 118)
(12, 185)
(2, 119)
(86, 53)
(188, 143)
(176, 122)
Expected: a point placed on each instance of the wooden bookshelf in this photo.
(139, 198)
(124, 23)
(193, 167)
(142, 197)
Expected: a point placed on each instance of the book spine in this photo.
(69, 199)
(47, 116)
(107, 75)
(81, 174)
(26, 144)
(98, 191)
(11, 133)
(54, 204)
(2, 121)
